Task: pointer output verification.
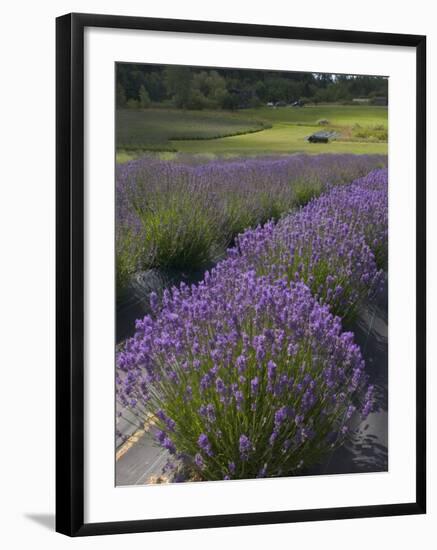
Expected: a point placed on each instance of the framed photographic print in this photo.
(240, 274)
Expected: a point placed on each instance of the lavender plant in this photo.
(246, 377)
(335, 245)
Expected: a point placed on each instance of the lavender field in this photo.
(185, 214)
(254, 370)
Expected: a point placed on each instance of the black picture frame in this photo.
(70, 273)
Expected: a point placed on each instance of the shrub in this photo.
(179, 231)
(144, 102)
(365, 209)
(126, 257)
(246, 377)
(133, 103)
(330, 244)
(237, 216)
(370, 133)
(306, 190)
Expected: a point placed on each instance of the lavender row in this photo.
(337, 244)
(258, 382)
(172, 214)
(249, 372)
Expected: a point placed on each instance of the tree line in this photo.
(140, 86)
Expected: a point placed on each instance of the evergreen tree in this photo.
(144, 98)
(120, 96)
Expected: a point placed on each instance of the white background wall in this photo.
(27, 123)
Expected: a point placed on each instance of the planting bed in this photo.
(366, 450)
(254, 370)
(179, 218)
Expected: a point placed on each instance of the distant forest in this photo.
(141, 86)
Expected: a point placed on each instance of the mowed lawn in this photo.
(259, 131)
(337, 115)
(282, 138)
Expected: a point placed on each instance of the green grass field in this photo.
(154, 128)
(338, 115)
(361, 128)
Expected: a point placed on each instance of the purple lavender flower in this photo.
(350, 411)
(220, 388)
(160, 436)
(198, 461)
(299, 419)
(208, 412)
(239, 398)
(273, 436)
(241, 363)
(205, 382)
(368, 402)
(281, 415)
(168, 444)
(254, 385)
(245, 447)
(271, 370)
(169, 422)
(204, 444)
(153, 301)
